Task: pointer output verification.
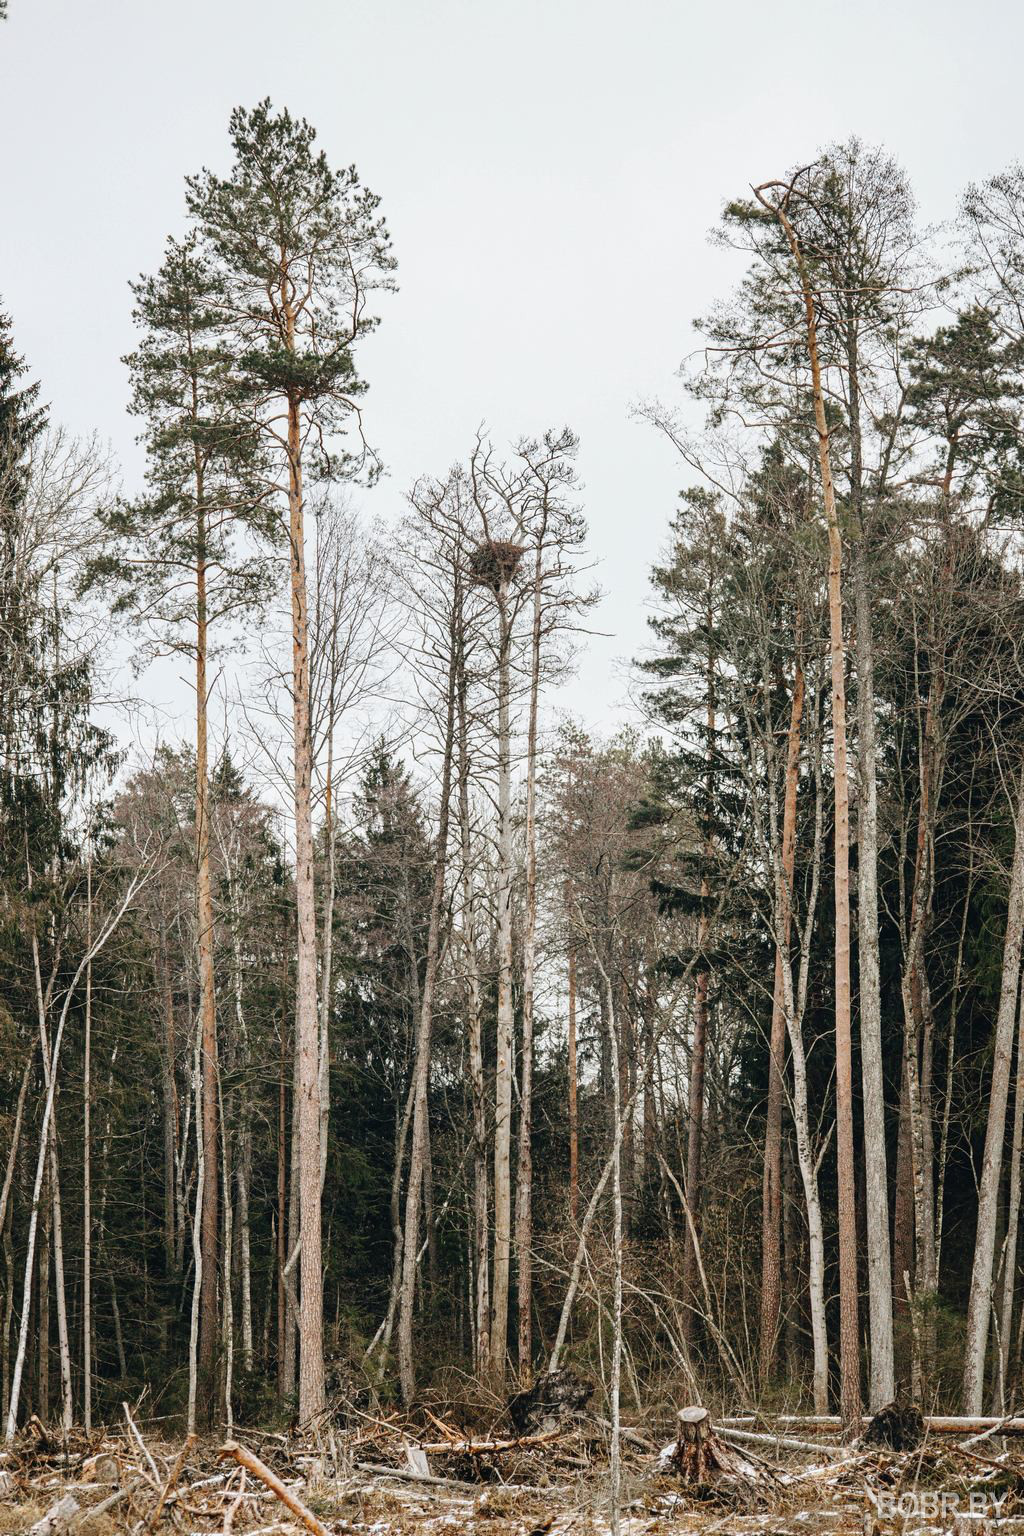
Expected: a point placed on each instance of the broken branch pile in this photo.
(395, 1470)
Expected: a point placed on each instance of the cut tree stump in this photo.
(704, 1461)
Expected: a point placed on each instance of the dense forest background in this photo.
(393, 1035)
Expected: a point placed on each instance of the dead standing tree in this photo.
(437, 576)
(855, 224)
(523, 506)
(494, 565)
(848, 1329)
(555, 530)
(354, 627)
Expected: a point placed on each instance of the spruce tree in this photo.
(22, 419)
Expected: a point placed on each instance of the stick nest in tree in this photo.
(495, 562)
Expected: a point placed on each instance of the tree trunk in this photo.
(227, 1298)
(197, 1240)
(243, 1179)
(918, 1020)
(239, 1062)
(615, 1469)
(43, 1303)
(794, 1002)
(170, 1110)
(208, 1321)
(6, 1223)
(524, 1175)
(698, 1049)
(771, 1192)
(505, 1016)
(980, 1301)
(402, 1125)
(903, 1221)
(695, 1125)
(401, 1137)
(418, 1152)
(881, 1379)
(284, 1386)
(574, 1132)
(947, 1100)
(849, 1341)
(328, 936)
(815, 1227)
(306, 1110)
(60, 1291)
(1009, 1264)
(474, 1013)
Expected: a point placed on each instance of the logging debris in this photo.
(443, 1471)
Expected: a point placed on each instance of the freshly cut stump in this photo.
(703, 1461)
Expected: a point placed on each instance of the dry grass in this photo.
(15, 1518)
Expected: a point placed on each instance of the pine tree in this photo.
(297, 248)
(182, 559)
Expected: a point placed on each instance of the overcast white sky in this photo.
(549, 169)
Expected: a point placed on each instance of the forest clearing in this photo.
(384, 1477)
(452, 1077)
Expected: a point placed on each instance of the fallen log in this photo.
(57, 1518)
(290, 1500)
(112, 1499)
(487, 1447)
(811, 1421)
(631, 1436)
(144, 1448)
(935, 1424)
(204, 1482)
(778, 1442)
(946, 1424)
(407, 1475)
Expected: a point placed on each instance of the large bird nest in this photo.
(494, 562)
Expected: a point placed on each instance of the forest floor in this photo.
(387, 1480)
